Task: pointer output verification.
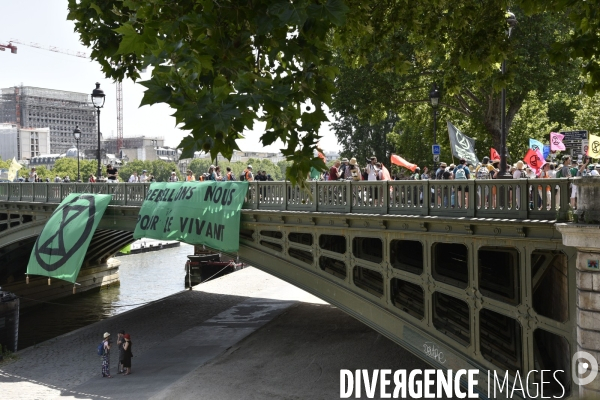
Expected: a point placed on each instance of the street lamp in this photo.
(511, 20)
(434, 96)
(98, 98)
(77, 135)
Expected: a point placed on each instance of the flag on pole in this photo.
(60, 249)
(593, 146)
(494, 154)
(536, 145)
(13, 170)
(546, 151)
(462, 146)
(395, 159)
(534, 159)
(556, 142)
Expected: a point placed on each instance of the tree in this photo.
(222, 66)
(366, 92)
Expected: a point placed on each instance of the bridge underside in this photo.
(488, 293)
(20, 228)
(461, 293)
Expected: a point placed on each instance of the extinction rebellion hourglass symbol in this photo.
(54, 246)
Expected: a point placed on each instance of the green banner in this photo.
(193, 212)
(60, 249)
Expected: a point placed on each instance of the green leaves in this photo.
(223, 65)
(131, 41)
(334, 10)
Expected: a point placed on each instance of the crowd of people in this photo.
(345, 169)
(349, 169)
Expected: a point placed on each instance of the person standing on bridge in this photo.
(134, 178)
(33, 175)
(111, 174)
(106, 356)
(144, 177)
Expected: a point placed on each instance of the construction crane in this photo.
(79, 54)
(13, 49)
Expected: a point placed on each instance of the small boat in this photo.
(207, 265)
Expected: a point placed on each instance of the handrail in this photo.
(540, 199)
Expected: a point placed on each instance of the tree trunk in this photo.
(492, 118)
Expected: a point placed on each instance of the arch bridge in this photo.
(466, 274)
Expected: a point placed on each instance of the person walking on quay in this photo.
(120, 343)
(106, 356)
(127, 354)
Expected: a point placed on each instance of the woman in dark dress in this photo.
(127, 354)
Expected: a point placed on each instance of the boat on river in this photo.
(205, 265)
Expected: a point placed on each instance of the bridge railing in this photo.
(511, 198)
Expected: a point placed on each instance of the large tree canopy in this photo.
(368, 94)
(224, 65)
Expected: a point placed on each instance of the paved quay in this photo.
(247, 335)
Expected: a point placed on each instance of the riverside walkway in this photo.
(208, 343)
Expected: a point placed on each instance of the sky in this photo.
(44, 22)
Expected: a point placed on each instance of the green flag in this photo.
(60, 249)
(193, 212)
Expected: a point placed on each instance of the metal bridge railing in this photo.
(541, 199)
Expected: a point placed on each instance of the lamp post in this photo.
(434, 97)
(77, 135)
(511, 20)
(98, 98)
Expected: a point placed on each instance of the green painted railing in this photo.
(539, 199)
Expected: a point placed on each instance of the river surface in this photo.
(144, 278)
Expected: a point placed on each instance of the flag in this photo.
(546, 151)
(13, 170)
(494, 154)
(556, 142)
(593, 146)
(394, 159)
(193, 212)
(534, 160)
(322, 156)
(536, 145)
(60, 249)
(462, 146)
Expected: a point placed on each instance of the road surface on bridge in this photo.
(247, 335)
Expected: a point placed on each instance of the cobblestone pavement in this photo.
(70, 360)
(297, 355)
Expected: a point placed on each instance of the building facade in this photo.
(9, 141)
(33, 142)
(58, 110)
(138, 142)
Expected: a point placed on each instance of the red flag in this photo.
(535, 160)
(402, 162)
(494, 154)
(322, 156)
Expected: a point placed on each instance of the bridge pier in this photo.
(96, 276)
(584, 237)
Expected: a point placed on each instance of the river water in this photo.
(144, 278)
